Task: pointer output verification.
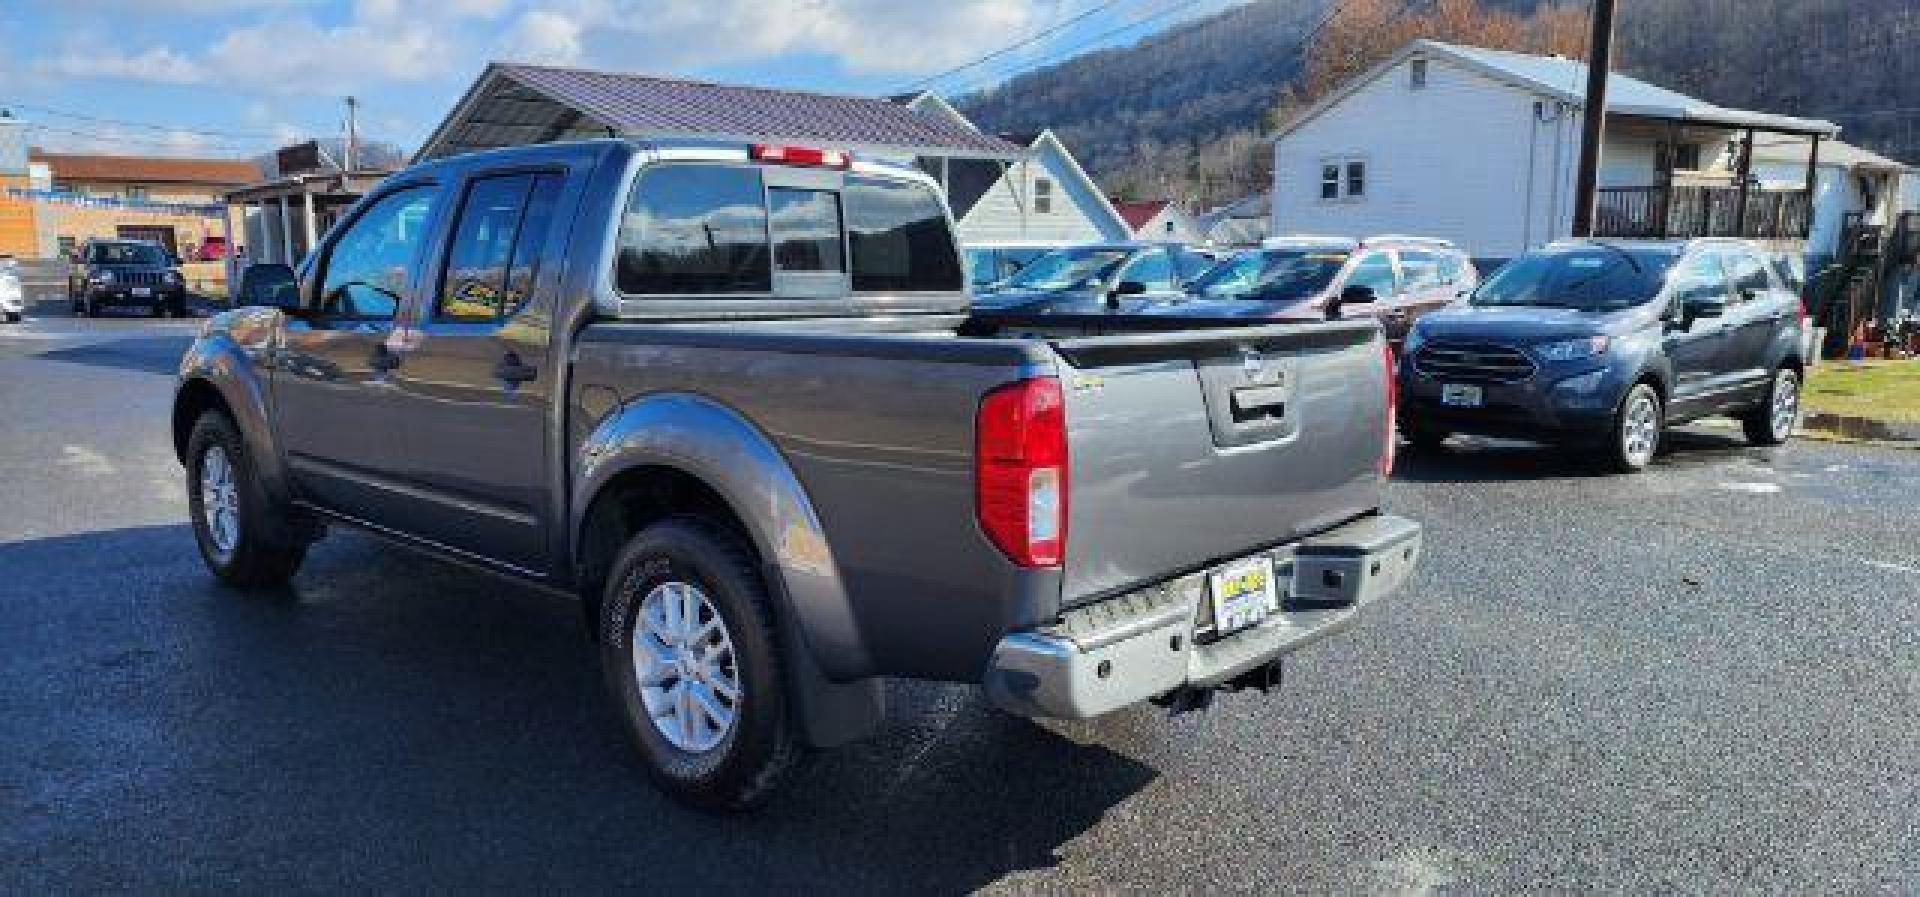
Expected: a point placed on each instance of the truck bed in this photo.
(1186, 447)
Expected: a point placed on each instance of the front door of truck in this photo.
(475, 388)
(333, 370)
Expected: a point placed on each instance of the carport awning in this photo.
(514, 104)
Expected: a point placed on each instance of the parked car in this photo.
(1098, 278)
(126, 273)
(763, 515)
(990, 264)
(212, 249)
(13, 299)
(1393, 279)
(1608, 343)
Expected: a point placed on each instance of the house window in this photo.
(1042, 196)
(1417, 74)
(136, 191)
(1343, 179)
(1678, 157)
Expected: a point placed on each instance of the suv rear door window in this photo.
(898, 238)
(806, 230)
(1421, 268)
(695, 229)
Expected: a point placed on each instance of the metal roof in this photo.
(1566, 79)
(513, 104)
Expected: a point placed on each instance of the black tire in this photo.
(1767, 424)
(271, 540)
(761, 748)
(89, 309)
(157, 311)
(1623, 452)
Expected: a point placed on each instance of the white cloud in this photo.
(299, 56)
(865, 35)
(161, 65)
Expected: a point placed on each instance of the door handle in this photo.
(384, 359)
(512, 371)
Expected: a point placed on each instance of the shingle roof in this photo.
(1567, 79)
(148, 169)
(1138, 212)
(503, 108)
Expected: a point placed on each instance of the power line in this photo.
(1061, 55)
(151, 126)
(1026, 41)
(229, 146)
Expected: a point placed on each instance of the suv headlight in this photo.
(100, 277)
(1573, 349)
(173, 277)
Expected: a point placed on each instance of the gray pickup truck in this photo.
(732, 398)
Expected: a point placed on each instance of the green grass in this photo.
(1882, 390)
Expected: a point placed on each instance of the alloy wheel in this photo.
(1786, 404)
(1640, 429)
(683, 662)
(220, 499)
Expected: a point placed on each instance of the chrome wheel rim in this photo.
(1640, 431)
(683, 663)
(219, 499)
(1786, 403)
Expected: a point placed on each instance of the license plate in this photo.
(143, 291)
(1243, 593)
(1461, 395)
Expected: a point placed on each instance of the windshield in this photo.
(126, 254)
(1588, 278)
(1270, 275)
(1069, 269)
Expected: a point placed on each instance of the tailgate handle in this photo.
(1259, 401)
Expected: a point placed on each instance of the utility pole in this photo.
(353, 133)
(1593, 124)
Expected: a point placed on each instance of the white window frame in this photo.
(1042, 195)
(1417, 71)
(1344, 183)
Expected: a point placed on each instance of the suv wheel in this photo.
(690, 655)
(246, 539)
(1637, 425)
(1772, 421)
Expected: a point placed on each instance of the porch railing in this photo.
(1682, 212)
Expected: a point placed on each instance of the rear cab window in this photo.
(740, 231)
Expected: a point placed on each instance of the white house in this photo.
(1043, 196)
(1243, 222)
(1851, 183)
(1159, 219)
(1479, 147)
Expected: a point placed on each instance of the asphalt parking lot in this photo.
(1703, 678)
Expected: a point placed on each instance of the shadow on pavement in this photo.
(1468, 459)
(397, 723)
(146, 354)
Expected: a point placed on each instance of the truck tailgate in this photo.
(1192, 447)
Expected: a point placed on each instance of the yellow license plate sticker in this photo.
(1243, 593)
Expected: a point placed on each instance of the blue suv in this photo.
(1605, 344)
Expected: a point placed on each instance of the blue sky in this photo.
(226, 77)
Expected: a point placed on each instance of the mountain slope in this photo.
(1179, 113)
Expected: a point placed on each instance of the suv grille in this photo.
(139, 278)
(1491, 364)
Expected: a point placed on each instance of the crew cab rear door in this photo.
(1187, 448)
(475, 377)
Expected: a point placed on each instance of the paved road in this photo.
(1704, 678)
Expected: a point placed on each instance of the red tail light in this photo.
(799, 155)
(1393, 405)
(1020, 471)
(1801, 307)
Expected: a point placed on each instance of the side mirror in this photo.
(1357, 293)
(1129, 288)
(1703, 307)
(270, 284)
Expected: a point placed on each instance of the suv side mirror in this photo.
(1356, 293)
(1702, 307)
(1128, 288)
(270, 284)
